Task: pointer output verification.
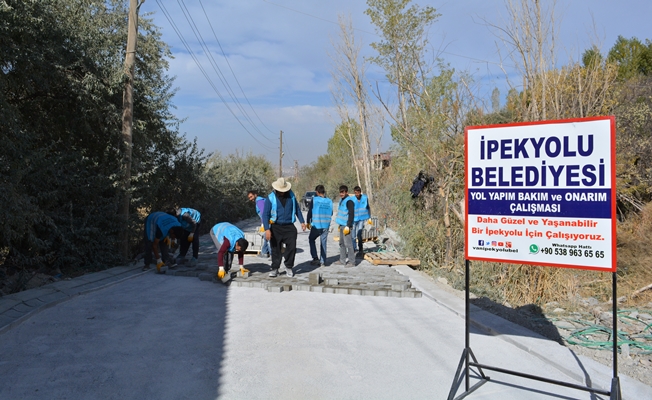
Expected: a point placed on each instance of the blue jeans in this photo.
(265, 248)
(358, 227)
(323, 235)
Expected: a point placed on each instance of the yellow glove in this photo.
(191, 237)
(346, 230)
(370, 222)
(221, 273)
(159, 264)
(167, 241)
(308, 226)
(243, 270)
(271, 222)
(262, 228)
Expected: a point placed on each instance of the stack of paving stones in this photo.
(359, 280)
(363, 279)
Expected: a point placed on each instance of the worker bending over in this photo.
(160, 228)
(228, 239)
(189, 219)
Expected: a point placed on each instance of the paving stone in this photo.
(226, 278)
(355, 291)
(317, 289)
(7, 303)
(342, 290)
(394, 293)
(314, 278)
(23, 308)
(34, 303)
(241, 275)
(368, 292)
(13, 313)
(287, 287)
(275, 288)
(400, 286)
(29, 294)
(52, 297)
(381, 293)
(328, 289)
(331, 281)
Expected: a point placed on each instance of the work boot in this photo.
(314, 262)
(289, 272)
(274, 273)
(360, 255)
(192, 262)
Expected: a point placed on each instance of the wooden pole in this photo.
(127, 122)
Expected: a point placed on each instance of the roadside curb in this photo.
(19, 307)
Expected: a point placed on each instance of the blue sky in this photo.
(274, 57)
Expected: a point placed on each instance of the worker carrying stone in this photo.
(159, 230)
(189, 219)
(228, 240)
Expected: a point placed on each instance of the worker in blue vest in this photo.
(344, 220)
(189, 219)
(228, 240)
(281, 211)
(319, 221)
(259, 201)
(362, 216)
(160, 229)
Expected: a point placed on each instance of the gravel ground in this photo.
(588, 322)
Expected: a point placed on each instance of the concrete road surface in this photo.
(170, 337)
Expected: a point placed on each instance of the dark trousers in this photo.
(163, 248)
(185, 245)
(283, 234)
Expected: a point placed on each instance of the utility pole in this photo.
(296, 170)
(280, 158)
(127, 120)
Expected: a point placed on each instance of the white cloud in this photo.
(279, 52)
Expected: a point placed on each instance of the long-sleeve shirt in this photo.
(226, 245)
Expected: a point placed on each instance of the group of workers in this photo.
(278, 213)
(178, 227)
(280, 210)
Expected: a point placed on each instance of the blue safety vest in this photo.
(322, 211)
(194, 214)
(163, 221)
(272, 199)
(343, 211)
(226, 230)
(361, 212)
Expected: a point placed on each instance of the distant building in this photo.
(382, 160)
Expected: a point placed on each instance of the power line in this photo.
(216, 68)
(233, 73)
(201, 68)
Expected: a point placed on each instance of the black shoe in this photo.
(314, 262)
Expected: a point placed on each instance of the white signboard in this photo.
(542, 193)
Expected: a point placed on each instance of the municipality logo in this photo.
(534, 249)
